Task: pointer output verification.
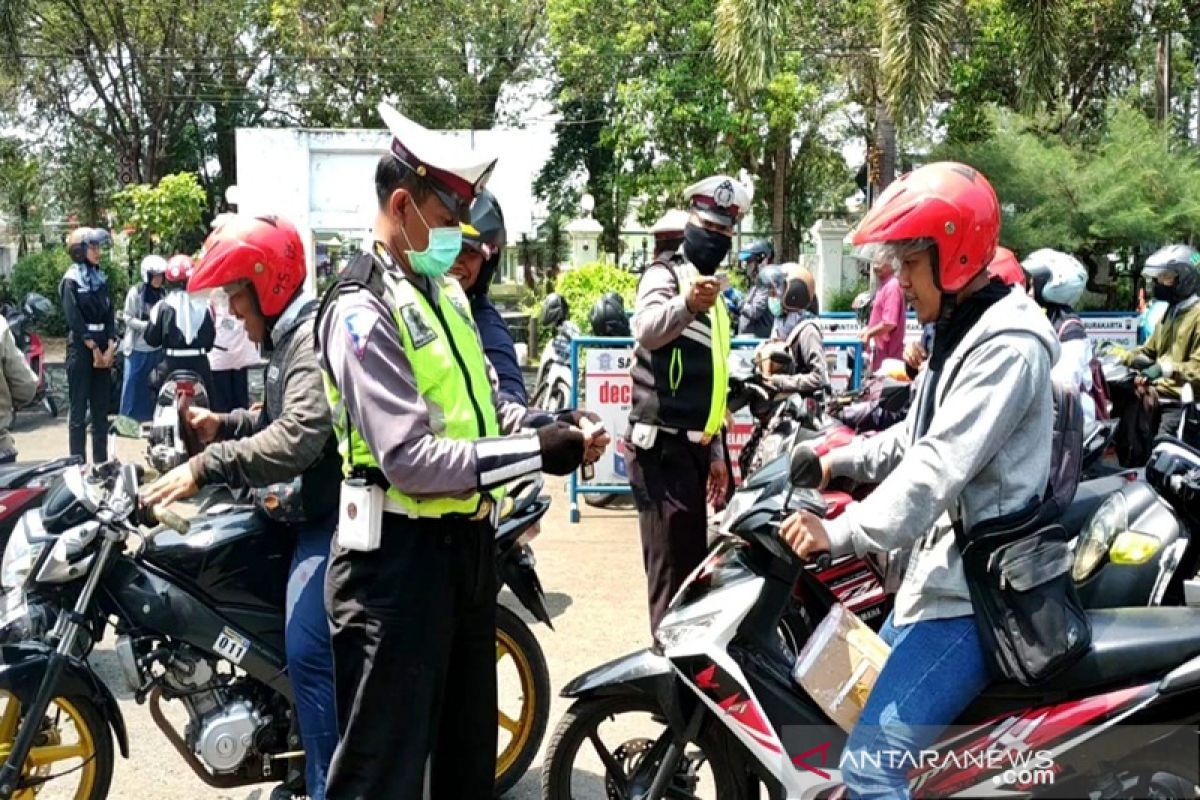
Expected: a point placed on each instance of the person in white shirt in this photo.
(231, 358)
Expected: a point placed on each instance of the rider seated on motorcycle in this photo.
(973, 444)
(285, 451)
(755, 318)
(1174, 347)
(183, 326)
(482, 248)
(796, 332)
(1057, 281)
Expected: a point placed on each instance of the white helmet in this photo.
(153, 265)
(1056, 277)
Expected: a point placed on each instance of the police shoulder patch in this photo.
(418, 328)
(359, 324)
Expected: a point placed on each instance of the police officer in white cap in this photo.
(675, 454)
(668, 232)
(411, 584)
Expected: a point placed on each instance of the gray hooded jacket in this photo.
(986, 451)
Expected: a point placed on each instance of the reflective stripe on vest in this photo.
(450, 372)
(717, 338)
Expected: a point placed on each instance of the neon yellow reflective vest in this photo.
(451, 374)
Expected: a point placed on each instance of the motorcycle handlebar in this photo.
(169, 518)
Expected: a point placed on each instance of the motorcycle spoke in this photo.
(9, 720)
(41, 756)
(509, 724)
(612, 767)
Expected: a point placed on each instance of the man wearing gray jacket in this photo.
(18, 388)
(975, 446)
(285, 451)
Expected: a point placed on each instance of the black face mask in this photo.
(705, 249)
(1166, 294)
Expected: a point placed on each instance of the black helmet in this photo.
(554, 310)
(608, 316)
(762, 249)
(485, 235)
(1181, 260)
(80, 239)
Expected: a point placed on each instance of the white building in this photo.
(324, 181)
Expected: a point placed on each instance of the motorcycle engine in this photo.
(221, 726)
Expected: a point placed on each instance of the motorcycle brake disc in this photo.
(628, 755)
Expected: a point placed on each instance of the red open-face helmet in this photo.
(950, 205)
(179, 268)
(266, 252)
(1006, 267)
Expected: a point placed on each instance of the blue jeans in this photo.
(309, 652)
(935, 670)
(136, 398)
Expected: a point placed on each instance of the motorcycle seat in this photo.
(18, 474)
(1128, 645)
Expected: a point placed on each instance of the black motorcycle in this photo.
(199, 615)
(777, 415)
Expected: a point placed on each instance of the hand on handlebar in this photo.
(205, 423)
(805, 534)
(178, 484)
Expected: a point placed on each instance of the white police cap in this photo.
(455, 172)
(671, 222)
(720, 199)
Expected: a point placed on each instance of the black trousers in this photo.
(230, 389)
(87, 386)
(414, 652)
(670, 488)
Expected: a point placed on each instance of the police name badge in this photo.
(418, 329)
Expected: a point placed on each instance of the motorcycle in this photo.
(552, 388)
(23, 485)
(735, 718)
(195, 624)
(170, 441)
(21, 322)
(777, 415)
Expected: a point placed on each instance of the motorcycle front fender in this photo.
(23, 665)
(518, 573)
(643, 673)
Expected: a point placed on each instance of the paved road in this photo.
(592, 573)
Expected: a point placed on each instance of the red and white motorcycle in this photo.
(714, 711)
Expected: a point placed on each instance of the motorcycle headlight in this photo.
(1110, 519)
(20, 555)
(1132, 548)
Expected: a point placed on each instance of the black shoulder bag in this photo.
(1017, 566)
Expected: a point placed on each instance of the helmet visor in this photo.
(892, 253)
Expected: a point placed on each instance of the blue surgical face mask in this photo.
(776, 306)
(437, 258)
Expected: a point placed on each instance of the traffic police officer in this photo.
(412, 599)
(676, 458)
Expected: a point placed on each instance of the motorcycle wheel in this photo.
(523, 688)
(582, 722)
(75, 745)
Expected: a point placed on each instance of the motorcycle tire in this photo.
(580, 722)
(86, 715)
(514, 635)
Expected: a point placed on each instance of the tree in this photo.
(21, 193)
(446, 65)
(1129, 192)
(165, 218)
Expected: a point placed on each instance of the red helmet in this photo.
(180, 268)
(1006, 267)
(951, 205)
(265, 251)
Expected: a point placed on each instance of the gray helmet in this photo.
(774, 279)
(485, 234)
(1180, 259)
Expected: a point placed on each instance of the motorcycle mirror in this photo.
(126, 428)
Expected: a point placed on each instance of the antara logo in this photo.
(801, 761)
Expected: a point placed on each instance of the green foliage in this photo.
(21, 190)
(1129, 192)
(166, 218)
(42, 271)
(843, 299)
(583, 286)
